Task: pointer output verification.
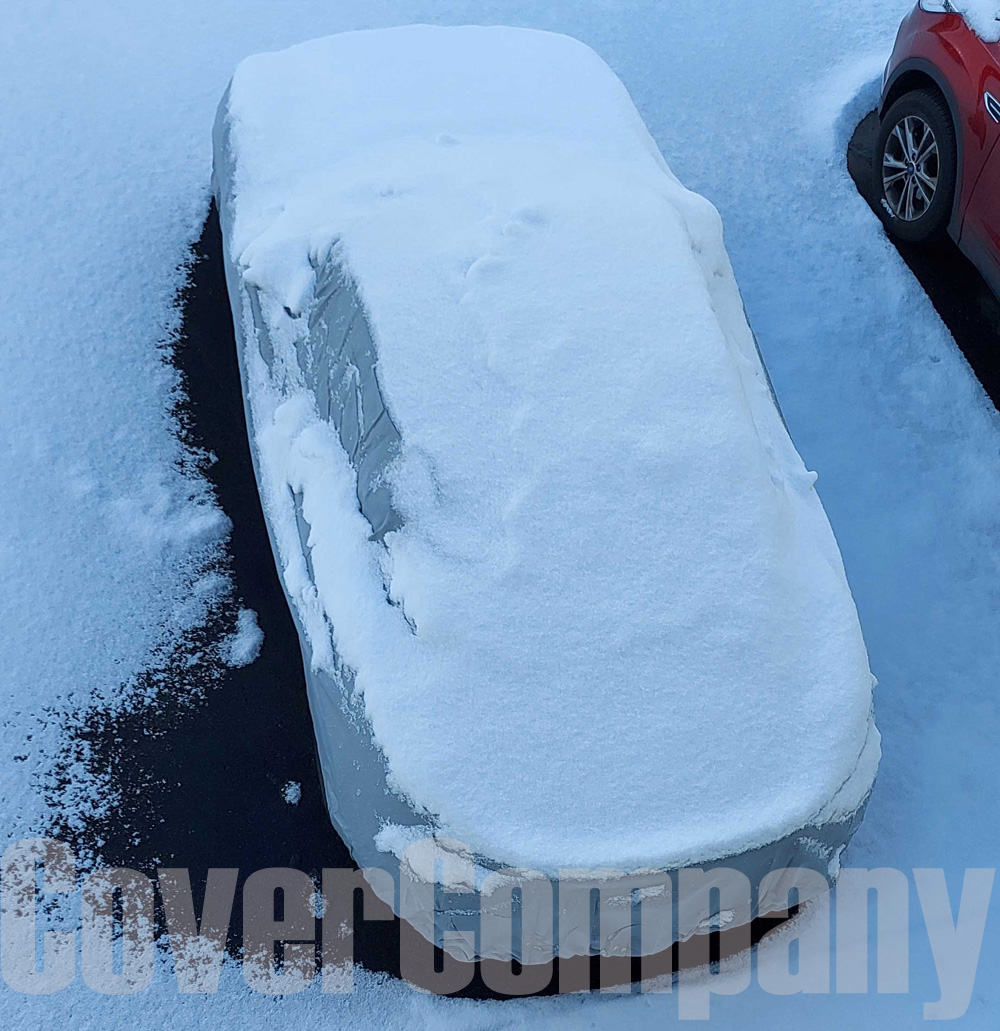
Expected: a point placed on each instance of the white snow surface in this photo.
(632, 639)
(110, 538)
(106, 123)
(983, 17)
(245, 643)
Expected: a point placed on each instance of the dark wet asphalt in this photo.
(956, 289)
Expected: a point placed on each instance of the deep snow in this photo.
(106, 123)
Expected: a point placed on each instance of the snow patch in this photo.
(396, 839)
(244, 645)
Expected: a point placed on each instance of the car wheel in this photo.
(915, 166)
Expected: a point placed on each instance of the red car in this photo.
(937, 164)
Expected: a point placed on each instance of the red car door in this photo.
(980, 237)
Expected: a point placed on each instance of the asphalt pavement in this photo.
(965, 303)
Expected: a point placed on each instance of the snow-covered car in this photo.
(565, 590)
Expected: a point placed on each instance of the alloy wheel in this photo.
(910, 168)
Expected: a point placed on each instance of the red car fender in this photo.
(941, 49)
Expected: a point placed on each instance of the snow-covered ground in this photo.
(113, 547)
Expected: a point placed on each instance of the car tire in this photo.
(915, 167)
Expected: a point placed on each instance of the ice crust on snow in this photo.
(621, 631)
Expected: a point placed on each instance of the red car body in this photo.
(939, 50)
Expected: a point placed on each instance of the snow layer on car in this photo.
(612, 625)
(983, 17)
